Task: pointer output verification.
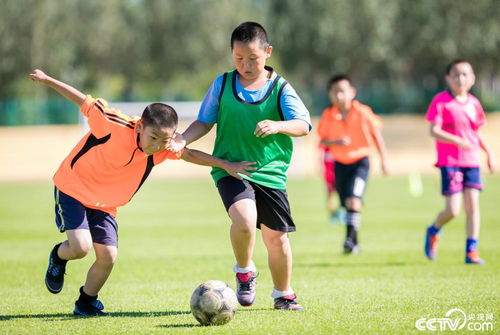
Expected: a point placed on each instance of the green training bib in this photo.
(235, 141)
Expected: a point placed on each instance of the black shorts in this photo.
(273, 209)
(351, 179)
(71, 214)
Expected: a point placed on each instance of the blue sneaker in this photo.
(91, 309)
(472, 257)
(431, 241)
(337, 217)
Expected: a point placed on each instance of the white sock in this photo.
(278, 294)
(250, 267)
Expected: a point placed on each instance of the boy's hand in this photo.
(176, 143)
(464, 144)
(383, 167)
(233, 168)
(267, 127)
(492, 164)
(346, 140)
(38, 75)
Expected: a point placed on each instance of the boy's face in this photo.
(461, 78)
(154, 139)
(341, 93)
(250, 58)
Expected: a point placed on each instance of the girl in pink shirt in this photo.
(455, 118)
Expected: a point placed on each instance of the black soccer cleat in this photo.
(54, 277)
(350, 247)
(91, 309)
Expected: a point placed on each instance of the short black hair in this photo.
(248, 32)
(160, 115)
(452, 64)
(336, 78)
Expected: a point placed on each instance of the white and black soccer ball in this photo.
(213, 303)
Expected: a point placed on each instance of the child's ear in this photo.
(140, 126)
(269, 51)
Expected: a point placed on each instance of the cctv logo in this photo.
(457, 322)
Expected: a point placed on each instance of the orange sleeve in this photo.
(373, 120)
(165, 154)
(101, 119)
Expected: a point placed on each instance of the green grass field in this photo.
(174, 235)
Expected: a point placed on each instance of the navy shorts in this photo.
(351, 179)
(454, 179)
(71, 214)
(273, 209)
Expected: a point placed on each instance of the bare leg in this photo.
(76, 246)
(451, 210)
(101, 269)
(279, 257)
(243, 214)
(332, 202)
(353, 204)
(471, 205)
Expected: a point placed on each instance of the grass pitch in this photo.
(174, 235)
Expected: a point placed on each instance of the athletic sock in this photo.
(250, 267)
(353, 222)
(57, 259)
(85, 298)
(471, 245)
(433, 230)
(278, 294)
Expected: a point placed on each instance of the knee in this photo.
(353, 204)
(278, 241)
(244, 226)
(107, 258)
(80, 249)
(452, 212)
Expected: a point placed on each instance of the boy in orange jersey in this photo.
(350, 130)
(104, 171)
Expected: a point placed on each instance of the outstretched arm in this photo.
(67, 91)
(294, 128)
(233, 168)
(492, 165)
(196, 130)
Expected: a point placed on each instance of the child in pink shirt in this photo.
(455, 118)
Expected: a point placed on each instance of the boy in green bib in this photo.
(257, 112)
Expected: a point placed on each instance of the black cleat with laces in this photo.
(54, 277)
(93, 308)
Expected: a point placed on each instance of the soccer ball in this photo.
(213, 303)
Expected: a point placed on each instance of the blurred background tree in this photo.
(146, 50)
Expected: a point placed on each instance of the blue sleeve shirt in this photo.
(292, 106)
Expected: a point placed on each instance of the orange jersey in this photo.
(107, 167)
(360, 125)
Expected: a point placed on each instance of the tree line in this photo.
(145, 50)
